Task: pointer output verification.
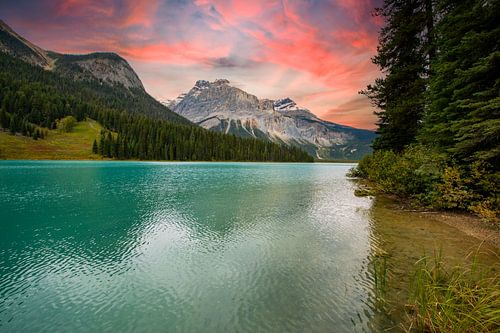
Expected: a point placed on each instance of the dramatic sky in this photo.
(315, 51)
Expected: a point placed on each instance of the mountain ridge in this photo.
(107, 74)
(16, 45)
(107, 67)
(218, 106)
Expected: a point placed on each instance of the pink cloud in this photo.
(124, 14)
(316, 52)
(358, 39)
(140, 12)
(179, 53)
(84, 8)
(357, 112)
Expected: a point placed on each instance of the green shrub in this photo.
(66, 124)
(453, 191)
(431, 179)
(474, 188)
(409, 174)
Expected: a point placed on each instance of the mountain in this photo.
(109, 68)
(218, 106)
(114, 115)
(15, 45)
(106, 67)
(107, 75)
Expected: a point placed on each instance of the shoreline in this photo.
(467, 223)
(168, 161)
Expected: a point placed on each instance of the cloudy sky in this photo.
(315, 51)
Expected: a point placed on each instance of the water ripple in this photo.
(191, 247)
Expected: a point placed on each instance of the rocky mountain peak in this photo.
(220, 82)
(218, 106)
(284, 104)
(202, 84)
(106, 67)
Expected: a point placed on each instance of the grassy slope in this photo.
(63, 146)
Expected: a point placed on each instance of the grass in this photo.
(460, 299)
(380, 275)
(75, 145)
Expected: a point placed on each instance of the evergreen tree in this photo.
(32, 96)
(404, 51)
(464, 110)
(4, 118)
(94, 147)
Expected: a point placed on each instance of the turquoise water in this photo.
(187, 247)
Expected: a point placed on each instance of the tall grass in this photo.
(461, 299)
(380, 275)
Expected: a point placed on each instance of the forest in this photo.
(33, 100)
(438, 105)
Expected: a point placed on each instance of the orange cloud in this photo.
(178, 53)
(357, 112)
(316, 52)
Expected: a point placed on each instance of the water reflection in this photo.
(190, 247)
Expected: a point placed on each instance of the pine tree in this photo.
(404, 51)
(464, 111)
(4, 118)
(94, 147)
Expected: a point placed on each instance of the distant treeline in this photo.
(32, 99)
(439, 104)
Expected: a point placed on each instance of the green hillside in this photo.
(31, 97)
(76, 145)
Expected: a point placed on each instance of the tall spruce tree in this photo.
(95, 148)
(464, 110)
(404, 52)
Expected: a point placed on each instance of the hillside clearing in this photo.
(56, 146)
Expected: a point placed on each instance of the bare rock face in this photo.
(221, 107)
(105, 67)
(15, 45)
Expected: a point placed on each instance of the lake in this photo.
(192, 247)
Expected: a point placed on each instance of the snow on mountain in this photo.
(221, 107)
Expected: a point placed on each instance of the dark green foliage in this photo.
(427, 177)
(29, 95)
(405, 47)
(4, 118)
(464, 101)
(66, 124)
(147, 139)
(458, 127)
(95, 148)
